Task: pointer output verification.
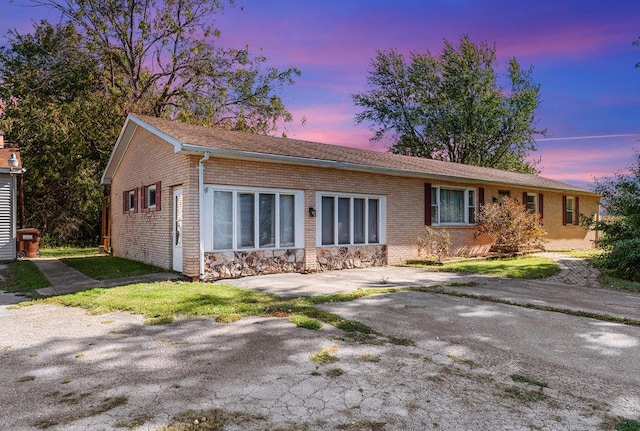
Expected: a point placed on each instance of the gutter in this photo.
(201, 209)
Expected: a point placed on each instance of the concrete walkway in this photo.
(65, 279)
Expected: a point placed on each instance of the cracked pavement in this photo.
(64, 369)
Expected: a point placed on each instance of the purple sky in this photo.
(581, 51)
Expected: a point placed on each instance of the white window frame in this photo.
(147, 197)
(208, 226)
(436, 220)
(382, 218)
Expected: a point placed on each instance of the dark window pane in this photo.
(222, 220)
(343, 220)
(287, 221)
(267, 218)
(358, 221)
(246, 221)
(328, 204)
(373, 228)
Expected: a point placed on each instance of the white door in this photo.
(177, 230)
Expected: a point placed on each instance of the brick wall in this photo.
(147, 235)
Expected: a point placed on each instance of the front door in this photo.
(177, 230)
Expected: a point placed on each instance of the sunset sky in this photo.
(581, 51)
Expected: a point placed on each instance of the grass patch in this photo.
(530, 267)
(212, 420)
(620, 424)
(305, 322)
(60, 252)
(528, 380)
(23, 276)
(324, 356)
(526, 395)
(106, 267)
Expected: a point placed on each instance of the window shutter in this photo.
(524, 199)
(481, 195)
(158, 196)
(125, 195)
(541, 207)
(427, 204)
(564, 210)
(135, 200)
(576, 212)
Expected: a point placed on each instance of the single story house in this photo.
(10, 169)
(212, 203)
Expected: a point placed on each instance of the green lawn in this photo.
(106, 267)
(23, 276)
(513, 267)
(61, 252)
(161, 302)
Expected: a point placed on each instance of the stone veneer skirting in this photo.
(244, 263)
(351, 257)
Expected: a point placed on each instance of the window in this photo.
(570, 211)
(150, 196)
(130, 201)
(453, 206)
(249, 219)
(349, 220)
(532, 203)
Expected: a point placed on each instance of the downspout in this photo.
(200, 206)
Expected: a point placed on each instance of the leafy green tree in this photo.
(54, 107)
(161, 57)
(450, 106)
(621, 226)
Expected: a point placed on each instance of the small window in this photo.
(569, 211)
(130, 200)
(150, 196)
(532, 203)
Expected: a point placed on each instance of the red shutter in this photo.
(524, 199)
(125, 195)
(541, 207)
(576, 220)
(564, 210)
(427, 204)
(158, 196)
(481, 195)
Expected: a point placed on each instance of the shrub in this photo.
(510, 225)
(623, 259)
(434, 244)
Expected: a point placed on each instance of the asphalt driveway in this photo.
(63, 369)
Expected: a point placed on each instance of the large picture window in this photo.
(249, 219)
(350, 220)
(453, 206)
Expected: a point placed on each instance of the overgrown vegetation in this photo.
(511, 226)
(621, 228)
(530, 267)
(434, 244)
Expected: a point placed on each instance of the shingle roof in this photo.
(306, 152)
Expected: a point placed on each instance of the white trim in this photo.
(382, 218)
(466, 191)
(209, 231)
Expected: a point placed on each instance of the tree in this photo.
(160, 56)
(54, 107)
(621, 227)
(510, 225)
(450, 106)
